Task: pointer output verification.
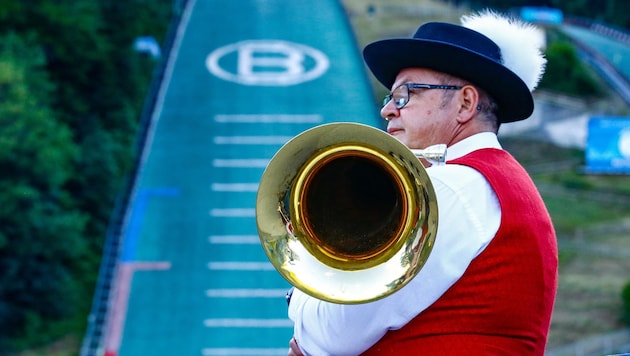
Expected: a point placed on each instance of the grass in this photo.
(574, 200)
(591, 215)
(589, 292)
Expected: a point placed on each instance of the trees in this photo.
(40, 228)
(71, 94)
(566, 73)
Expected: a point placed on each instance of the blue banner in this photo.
(608, 145)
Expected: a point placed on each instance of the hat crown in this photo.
(463, 37)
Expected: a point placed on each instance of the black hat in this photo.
(459, 51)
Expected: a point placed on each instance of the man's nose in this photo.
(389, 111)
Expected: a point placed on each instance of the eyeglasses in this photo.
(400, 95)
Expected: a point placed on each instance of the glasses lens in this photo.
(400, 96)
(387, 99)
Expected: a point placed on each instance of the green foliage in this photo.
(567, 73)
(71, 94)
(566, 256)
(577, 182)
(566, 190)
(40, 230)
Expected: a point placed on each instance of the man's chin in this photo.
(399, 136)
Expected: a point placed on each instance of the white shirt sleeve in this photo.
(469, 217)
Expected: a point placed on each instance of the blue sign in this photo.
(541, 15)
(608, 145)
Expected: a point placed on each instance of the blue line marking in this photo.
(138, 210)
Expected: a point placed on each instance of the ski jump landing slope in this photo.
(242, 79)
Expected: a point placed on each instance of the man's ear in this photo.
(468, 103)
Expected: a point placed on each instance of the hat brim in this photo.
(386, 58)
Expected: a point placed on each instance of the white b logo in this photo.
(267, 63)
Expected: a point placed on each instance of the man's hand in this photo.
(294, 349)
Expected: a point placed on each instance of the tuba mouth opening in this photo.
(351, 207)
(347, 213)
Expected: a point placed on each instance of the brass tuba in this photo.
(346, 213)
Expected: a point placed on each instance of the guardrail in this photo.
(619, 34)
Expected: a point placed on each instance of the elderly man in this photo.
(489, 285)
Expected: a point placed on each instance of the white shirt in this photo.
(469, 217)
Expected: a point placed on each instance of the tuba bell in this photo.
(347, 213)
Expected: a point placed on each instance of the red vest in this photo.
(502, 304)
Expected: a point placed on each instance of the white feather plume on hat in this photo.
(520, 43)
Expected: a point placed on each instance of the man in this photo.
(489, 284)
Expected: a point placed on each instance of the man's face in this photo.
(427, 118)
